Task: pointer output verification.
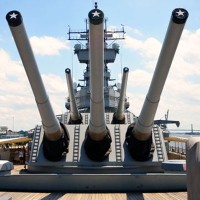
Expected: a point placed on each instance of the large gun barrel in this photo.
(119, 117)
(140, 137)
(97, 142)
(75, 117)
(53, 144)
(97, 126)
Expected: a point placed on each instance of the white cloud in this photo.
(47, 45)
(56, 88)
(189, 45)
(133, 31)
(139, 78)
(17, 103)
(149, 48)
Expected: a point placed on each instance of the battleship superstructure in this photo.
(98, 145)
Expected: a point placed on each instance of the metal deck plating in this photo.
(77, 173)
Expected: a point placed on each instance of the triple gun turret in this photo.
(98, 140)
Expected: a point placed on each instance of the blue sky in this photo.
(145, 23)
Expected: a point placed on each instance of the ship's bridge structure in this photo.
(111, 49)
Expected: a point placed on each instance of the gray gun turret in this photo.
(139, 136)
(98, 140)
(75, 116)
(56, 139)
(119, 117)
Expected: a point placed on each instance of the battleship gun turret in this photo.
(56, 139)
(98, 140)
(119, 117)
(139, 135)
(90, 123)
(75, 116)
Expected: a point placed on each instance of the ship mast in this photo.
(111, 49)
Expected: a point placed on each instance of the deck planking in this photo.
(88, 196)
(92, 196)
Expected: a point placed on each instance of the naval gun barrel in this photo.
(140, 137)
(119, 117)
(56, 138)
(97, 141)
(75, 117)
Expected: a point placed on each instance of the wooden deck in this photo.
(88, 196)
